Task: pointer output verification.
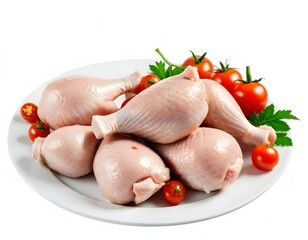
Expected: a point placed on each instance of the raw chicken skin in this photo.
(225, 114)
(127, 170)
(166, 112)
(208, 159)
(74, 99)
(68, 150)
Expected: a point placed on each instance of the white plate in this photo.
(82, 196)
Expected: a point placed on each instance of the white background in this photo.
(42, 39)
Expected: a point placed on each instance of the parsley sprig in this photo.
(161, 70)
(275, 119)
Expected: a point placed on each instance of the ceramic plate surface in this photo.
(82, 196)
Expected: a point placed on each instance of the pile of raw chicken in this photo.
(183, 125)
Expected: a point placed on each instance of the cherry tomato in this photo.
(227, 76)
(264, 157)
(147, 81)
(204, 65)
(250, 95)
(38, 129)
(173, 192)
(127, 100)
(28, 112)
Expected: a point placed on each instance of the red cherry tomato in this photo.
(204, 65)
(127, 100)
(173, 192)
(250, 95)
(38, 129)
(28, 112)
(147, 81)
(227, 76)
(265, 158)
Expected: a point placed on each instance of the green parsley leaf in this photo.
(158, 69)
(162, 71)
(283, 140)
(177, 70)
(276, 120)
(286, 114)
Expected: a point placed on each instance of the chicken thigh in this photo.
(127, 170)
(68, 150)
(74, 99)
(167, 111)
(208, 159)
(225, 114)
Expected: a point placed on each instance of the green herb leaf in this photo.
(283, 140)
(177, 70)
(278, 125)
(160, 70)
(268, 112)
(286, 114)
(276, 120)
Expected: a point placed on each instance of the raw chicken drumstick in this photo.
(166, 112)
(68, 150)
(225, 114)
(127, 170)
(208, 159)
(74, 99)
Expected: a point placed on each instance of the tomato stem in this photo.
(40, 126)
(178, 190)
(223, 68)
(198, 60)
(151, 82)
(248, 75)
(165, 59)
(249, 78)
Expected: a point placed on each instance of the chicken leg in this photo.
(166, 112)
(127, 170)
(208, 159)
(75, 99)
(68, 150)
(225, 114)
